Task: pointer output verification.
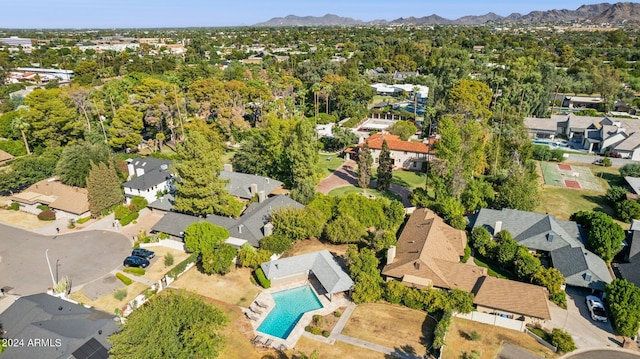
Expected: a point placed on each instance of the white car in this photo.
(596, 308)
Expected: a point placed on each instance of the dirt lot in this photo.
(158, 269)
(234, 288)
(490, 343)
(314, 244)
(109, 303)
(21, 219)
(378, 323)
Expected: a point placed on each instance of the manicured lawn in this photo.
(377, 99)
(393, 326)
(490, 343)
(329, 163)
(493, 269)
(341, 191)
(409, 179)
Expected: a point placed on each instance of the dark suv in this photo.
(143, 253)
(134, 261)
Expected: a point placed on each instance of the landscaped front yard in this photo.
(341, 191)
(392, 326)
(329, 163)
(489, 343)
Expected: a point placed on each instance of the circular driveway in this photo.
(82, 256)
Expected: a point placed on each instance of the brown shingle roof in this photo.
(429, 248)
(514, 297)
(4, 156)
(395, 143)
(56, 195)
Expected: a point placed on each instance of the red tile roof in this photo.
(395, 143)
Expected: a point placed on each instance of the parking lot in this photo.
(82, 256)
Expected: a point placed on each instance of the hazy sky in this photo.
(184, 13)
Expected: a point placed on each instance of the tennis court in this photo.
(569, 176)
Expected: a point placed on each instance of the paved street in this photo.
(82, 256)
(599, 354)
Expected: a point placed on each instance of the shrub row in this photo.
(173, 273)
(129, 218)
(135, 271)
(83, 220)
(441, 330)
(123, 278)
(262, 279)
(15, 206)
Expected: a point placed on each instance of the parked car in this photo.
(596, 308)
(144, 253)
(134, 261)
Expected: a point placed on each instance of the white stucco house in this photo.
(148, 177)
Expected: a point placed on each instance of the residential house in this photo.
(421, 92)
(253, 225)
(560, 241)
(428, 255)
(512, 299)
(5, 157)
(50, 327)
(246, 186)
(595, 134)
(65, 201)
(405, 154)
(148, 178)
(320, 264)
(629, 267)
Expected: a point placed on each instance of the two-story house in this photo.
(405, 154)
(148, 178)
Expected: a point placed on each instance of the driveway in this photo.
(82, 256)
(577, 321)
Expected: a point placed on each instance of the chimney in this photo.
(497, 228)
(261, 196)
(240, 228)
(139, 172)
(130, 169)
(253, 189)
(267, 229)
(227, 167)
(416, 265)
(391, 254)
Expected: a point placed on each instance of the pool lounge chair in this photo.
(257, 339)
(261, 305)
(282, 347)
(268, 343)
(255, 310)
(250, 316)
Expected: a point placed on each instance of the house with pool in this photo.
(301, 286)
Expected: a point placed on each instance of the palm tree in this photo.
(20, 123)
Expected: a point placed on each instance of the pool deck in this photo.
(328, 307)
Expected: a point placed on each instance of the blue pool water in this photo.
(291, 304)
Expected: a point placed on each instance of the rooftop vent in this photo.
(587, 276)
(550, 237)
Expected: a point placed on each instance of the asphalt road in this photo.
(599, 354)
(82, 256)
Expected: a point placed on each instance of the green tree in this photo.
(302, 157)
(549, 278)
(53, 119)
(173, 325)
(403, 129)
(103, 187)
(478, 194)
(471, 99)
(481, 240)
(363, 269)
(75, 162)
(525, 263)
(562, 340)
(204, 236)
(200, 191)
(519, 191)
(249, 256)
(344, 229)
(623, 299)
(451, 211)
(297, 223)
(219, 259)
(125, 129)
(365, 161)
(605, 238)
(628, 210)
(630, 169)
(276, 243)
(85, 73)
(616, 194)
(385, 168)
(19, 123)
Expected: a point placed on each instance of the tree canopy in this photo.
(171, 325)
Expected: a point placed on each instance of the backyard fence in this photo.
(540, 340)
(494, 320)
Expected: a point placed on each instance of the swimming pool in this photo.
(290, 305)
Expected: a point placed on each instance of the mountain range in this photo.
(596, 13)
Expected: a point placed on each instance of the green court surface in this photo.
(572, 176)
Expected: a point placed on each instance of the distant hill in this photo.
(596, 13)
